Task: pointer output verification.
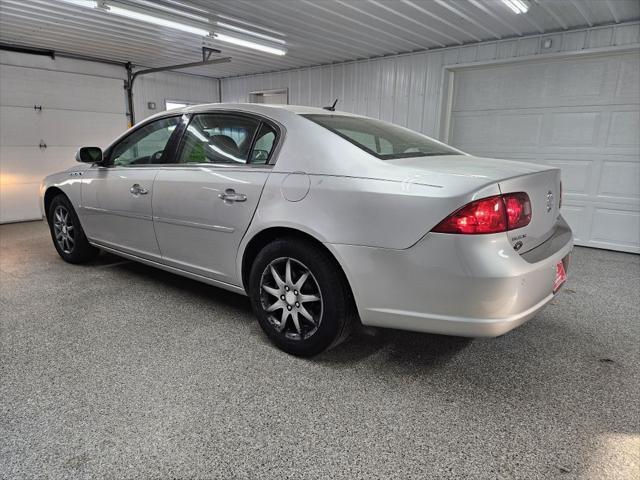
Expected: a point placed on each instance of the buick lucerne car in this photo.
(322, 218)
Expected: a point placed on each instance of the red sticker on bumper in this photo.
(561, 276)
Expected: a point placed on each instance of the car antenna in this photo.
(332, 108)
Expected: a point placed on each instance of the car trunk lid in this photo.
(456, 172)
(543, 189)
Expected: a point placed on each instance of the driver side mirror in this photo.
(89, 155)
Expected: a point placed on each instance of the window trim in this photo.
(169, 148)
(278, 129)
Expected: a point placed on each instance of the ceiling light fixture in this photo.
(174, 11)
(517, 6)
(248, 44)
(228, 26)
(143, 17)
(82, 3)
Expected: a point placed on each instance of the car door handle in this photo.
(136, 189)
(230, 195)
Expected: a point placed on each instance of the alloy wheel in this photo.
(64, 229)
(291, 297)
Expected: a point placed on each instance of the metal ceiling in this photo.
(316, 31)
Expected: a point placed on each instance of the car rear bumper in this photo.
(466, 285)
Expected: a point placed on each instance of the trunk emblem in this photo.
(549, 200)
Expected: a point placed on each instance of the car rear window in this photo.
(381, 139)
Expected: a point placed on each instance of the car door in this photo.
(116, 209)
(203, 205)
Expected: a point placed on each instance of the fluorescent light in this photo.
(82, 3)
(517, 6)
(246, 43)
(228, 26)
(174, 11)
(143, 17)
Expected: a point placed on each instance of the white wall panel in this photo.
(163, 86)
(83, 103)
(377, 87)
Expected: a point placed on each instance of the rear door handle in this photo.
(230, 195)
(136, 189)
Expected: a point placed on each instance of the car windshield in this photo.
(381, 139)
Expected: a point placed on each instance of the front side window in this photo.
(145, 145)
(381, 139)
(218, 138)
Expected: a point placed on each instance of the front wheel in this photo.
(66, 232)
(300, 297)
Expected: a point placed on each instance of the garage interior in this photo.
(117, 370)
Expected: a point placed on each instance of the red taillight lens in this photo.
(518, 210)
(482, 216)
(489, 215)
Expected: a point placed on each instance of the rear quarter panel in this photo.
(358, 211)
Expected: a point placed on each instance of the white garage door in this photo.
(76, 110)
(579, 114)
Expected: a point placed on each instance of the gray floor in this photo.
(118, 370)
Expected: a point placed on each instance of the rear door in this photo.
(204, 203)
(116, 208)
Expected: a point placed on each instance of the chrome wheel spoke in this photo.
(287, 274)
(278, 304)
(276, 277)
(296, 322)
(283, 319)
(271, 291)
(305, 313)
(301, 280)
(309, 298)
(70, 239)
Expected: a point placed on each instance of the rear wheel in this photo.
(66, 232)
(300, 297)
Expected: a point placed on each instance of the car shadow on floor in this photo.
(188, 287)
(412, 349)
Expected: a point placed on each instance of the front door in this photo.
(203, 205)
(116, 206)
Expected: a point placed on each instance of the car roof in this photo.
(258, 108)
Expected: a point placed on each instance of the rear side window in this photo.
(381, 139)
(265, 141)
(218, 138)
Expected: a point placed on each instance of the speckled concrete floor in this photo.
(117, 370)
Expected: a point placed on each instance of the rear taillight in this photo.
(489, 215)
(518, 210)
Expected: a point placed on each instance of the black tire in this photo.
(336, 312)
(76, 247)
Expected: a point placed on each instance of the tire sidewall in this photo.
(330, 282)
(82, 250)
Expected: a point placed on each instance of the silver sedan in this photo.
(322, 218)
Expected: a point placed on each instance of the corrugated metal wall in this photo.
(407, 89)
(159, 87)
(156, 88)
